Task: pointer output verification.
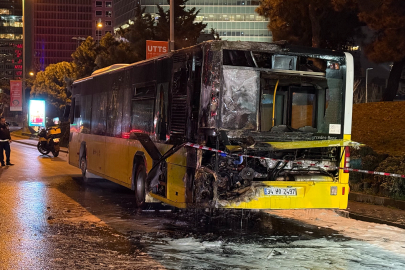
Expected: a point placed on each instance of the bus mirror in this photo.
(72, 111)
(67, 111)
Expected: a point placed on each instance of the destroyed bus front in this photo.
(282, 120)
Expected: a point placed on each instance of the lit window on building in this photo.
(108, 4)
(108, 13)
(108, 23)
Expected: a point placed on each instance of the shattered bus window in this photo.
(240, 99)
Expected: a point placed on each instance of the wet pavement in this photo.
(50, 219)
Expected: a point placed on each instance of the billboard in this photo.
(36, 113)
(15, 95)
(156, 48)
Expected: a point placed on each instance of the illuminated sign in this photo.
(15, 96)
(36, 116)
(156, 48)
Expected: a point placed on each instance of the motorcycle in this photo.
(48, 141)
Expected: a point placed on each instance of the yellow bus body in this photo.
(121, 151)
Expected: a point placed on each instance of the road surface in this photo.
(50, 219)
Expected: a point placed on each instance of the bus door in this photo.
(74, 144)
(95, 143)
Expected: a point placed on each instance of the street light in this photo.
(367, 82)
(99, 26)
(78, 39)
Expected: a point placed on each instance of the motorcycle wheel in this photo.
(55, 153)
(42, 150)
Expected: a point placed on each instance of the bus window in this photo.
(142, 109)
(85, 114)
(303, 110)
(266, 110)
(240, 98)
(114, 119)
(98, 121)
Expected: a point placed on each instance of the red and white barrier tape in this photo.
(313, 165)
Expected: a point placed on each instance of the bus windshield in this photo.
(305, 101)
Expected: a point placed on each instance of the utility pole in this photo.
(171, 42)
(24, 102)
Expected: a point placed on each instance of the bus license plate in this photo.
(273, 191)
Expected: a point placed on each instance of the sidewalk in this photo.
(375, 209)
(30, 141)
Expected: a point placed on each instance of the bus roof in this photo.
(279, 46)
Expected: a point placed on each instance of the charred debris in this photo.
(224, 179)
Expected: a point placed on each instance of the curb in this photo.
(365, 198)
(348, 214)
(30, 144)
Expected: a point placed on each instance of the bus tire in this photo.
(83, 168)
(140, 185)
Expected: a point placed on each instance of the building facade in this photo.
(232, 19)
(11, 40)
(56, 27)
(103, 18)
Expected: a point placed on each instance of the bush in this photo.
(393, 185)
(370, 160)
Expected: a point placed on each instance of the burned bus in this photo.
(221, 124)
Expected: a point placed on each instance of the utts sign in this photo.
(156, 48)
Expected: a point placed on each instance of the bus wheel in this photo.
(140, 181)
(83, 167)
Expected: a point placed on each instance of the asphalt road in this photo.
(50, 219)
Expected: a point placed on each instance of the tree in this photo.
(112, 52)
(137, 33)
(315, 23)
(84, 58)
(387, 19)
(186, 31)
(53, 85)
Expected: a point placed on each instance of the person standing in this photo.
(5, 140)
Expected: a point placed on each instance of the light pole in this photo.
(367, 83)
(171, 41)
(99, 26)
(78, 39)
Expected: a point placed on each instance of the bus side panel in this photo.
(133, 147)
(344, 177)
(176, 172)
(117, 163)
(96, 153)
(74, 149)
(176, 189)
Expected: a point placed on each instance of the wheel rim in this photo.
(140, 185)
(42, 150)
